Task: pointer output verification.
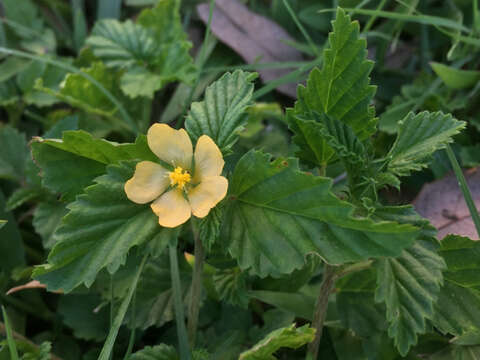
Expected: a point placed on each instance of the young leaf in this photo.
(71, 164)
(231, 286)
(122, 44)
(458, 307)
(276, 215)
(99, 230)
(341, 89)
(290, 336)
(409, 286)
(419, 136)
(221, 114)
(154, 51)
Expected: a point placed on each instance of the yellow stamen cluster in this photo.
(179, 177)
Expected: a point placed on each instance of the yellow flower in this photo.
(186, 190)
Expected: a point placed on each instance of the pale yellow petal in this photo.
(208, 159)
(170, 145)
(206, 195)
(149, 181)
(172, 209)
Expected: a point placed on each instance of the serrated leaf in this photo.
(419, 136)
(157, 352)
(289, 336)
(458, 306)
(122, 44)
(154, 51)
(13, 153)
(341, 89)
(276, 215)
(99, 230)
(231, 286)
(409, 286)
(209, 227)
(71, 164)
(221, 114)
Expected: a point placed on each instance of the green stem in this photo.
(178, 305)
(131, 341)
(374, 17)
(196, 289)
(321, 306)
(464, 187)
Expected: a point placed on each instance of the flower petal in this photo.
(171, 208)
(170, 145)
(208, 159)
(206, 195)
(149, 181)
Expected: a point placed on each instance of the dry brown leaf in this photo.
(255, 38)
(443, 204)
(34, 284)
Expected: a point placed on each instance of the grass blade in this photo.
(178, 305)
(464, 187)
(11, 342)
(117, 322)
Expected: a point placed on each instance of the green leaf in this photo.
(22, 196)
(409, 286)
(276, 215)
(12, 252)
(154, 51)
(71, 164)
(298, 303)
(456, 78)
(46, 219)
(458, 306)
(2, 223)
(221, 114)
(231, 286)
(99, 230)
(79, 312)
(209, 227)
(356, 304)
(341, 89)
(419, 136)
(289, 336)
(157, 352)
(83, 94)
(455, 352)
(13, 153)
(122, 44)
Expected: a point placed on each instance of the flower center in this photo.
(179, 177)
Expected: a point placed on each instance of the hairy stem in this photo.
(178, 305)
(196, 290)
(321, 309)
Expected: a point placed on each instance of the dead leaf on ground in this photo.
(255, 38)
(443, 204)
